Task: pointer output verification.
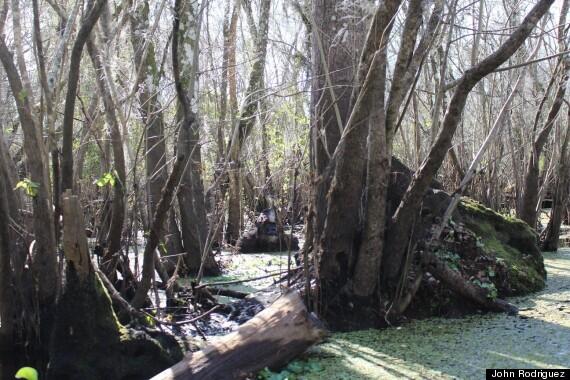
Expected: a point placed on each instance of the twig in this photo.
(195, 319)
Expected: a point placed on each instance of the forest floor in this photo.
(439, 348)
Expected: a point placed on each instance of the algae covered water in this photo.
(438, 348)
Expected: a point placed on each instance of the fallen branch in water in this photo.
(228, 293)
(195, 319)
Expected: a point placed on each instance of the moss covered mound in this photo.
(508, 239)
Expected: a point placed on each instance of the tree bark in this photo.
(245, 123)
(95, 346)
(120, 173)
(333, 75)
(531, 181)
(19, 47)
(155, 232)
(7, 315)
(551, 236)
(44, 265)
(151, 112)
(338, 243)
(529, 201)
(149, 106)
(72, 85)
(191, 194)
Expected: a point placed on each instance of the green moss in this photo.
(509, 239)
(88, 341)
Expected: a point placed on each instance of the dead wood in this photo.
(271, 339)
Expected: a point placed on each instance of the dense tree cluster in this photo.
(171, 124)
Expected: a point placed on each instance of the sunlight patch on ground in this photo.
(440, 348)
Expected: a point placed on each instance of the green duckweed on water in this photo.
(458, 348)
(248, 266)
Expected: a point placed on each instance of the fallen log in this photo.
(271, 339)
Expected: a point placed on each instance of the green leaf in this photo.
(150, 322)
(23, 95)
(30, 187)
(106, 179)
(27, 373)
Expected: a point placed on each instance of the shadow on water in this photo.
(436, 350)
(463, 348)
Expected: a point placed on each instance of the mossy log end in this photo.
(271, 339)
(501, 237)
(510, 240)
(495, 254)
(88, 342)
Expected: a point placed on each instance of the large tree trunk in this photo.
(151, 112)
(217, 192)
(244, 126)
(115, 234)
(7, 315)
(529, 202)
(271, 339)
(149, 106)
(187, 25)
(339, 241)
(94, 346)
(551, 236)
(333, 74)
(350, 248)
(402, 220)
(44, 265)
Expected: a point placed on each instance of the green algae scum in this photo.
(438, 348)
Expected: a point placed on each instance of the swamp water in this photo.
(438, 348)
(435, 348)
